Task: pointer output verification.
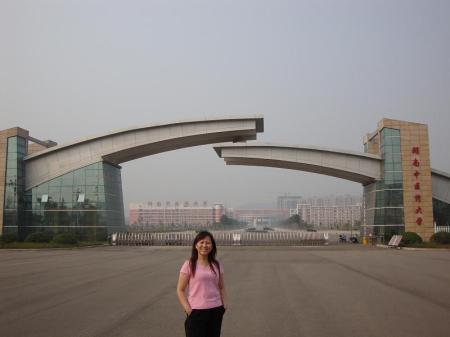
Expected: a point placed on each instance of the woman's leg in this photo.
(215, 321)
(196, 324)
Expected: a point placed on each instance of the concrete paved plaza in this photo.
(274, 291)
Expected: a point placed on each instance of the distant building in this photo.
(174, 214)
(326, 213)
(288, 202)
(219, 210)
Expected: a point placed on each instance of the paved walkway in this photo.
(277, 291)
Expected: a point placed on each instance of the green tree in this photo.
(410, 238)
(441, 237)
(293, 222)
(227, 221)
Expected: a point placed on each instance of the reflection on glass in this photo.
(87, 200)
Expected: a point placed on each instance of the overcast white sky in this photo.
(321, 72)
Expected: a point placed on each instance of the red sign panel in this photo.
(417, 198)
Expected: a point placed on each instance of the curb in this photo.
(48, 248)
(426, 249)
(379, 245)
(414, 248)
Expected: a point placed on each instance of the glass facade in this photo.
(87, 201)
(384, 199)
(441, 213)
(14, 185)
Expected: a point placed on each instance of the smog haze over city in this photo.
(322, 73)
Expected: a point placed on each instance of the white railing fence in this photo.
(222, 239)
(442, 229)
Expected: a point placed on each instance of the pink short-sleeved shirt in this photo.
(204, 292)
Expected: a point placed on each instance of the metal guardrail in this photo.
(293, 238)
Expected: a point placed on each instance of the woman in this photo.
(206, 302)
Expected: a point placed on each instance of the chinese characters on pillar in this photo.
(417, 195)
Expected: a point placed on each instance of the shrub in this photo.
(38, 237)
(65, 238)
(8, 238)
(441, 237)
(411, 238)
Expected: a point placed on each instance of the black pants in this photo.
(204, 322)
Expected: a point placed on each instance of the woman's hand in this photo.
(183, 281)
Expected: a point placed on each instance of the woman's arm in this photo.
(183, 281)
(223, 293)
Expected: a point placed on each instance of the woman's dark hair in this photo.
(211, 256)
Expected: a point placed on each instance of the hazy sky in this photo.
(321, 72)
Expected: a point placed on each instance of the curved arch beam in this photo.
(129, 144)
(358, 167)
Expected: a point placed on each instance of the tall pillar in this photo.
(405, 149)
(13, 145)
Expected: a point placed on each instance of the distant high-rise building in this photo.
(288, 202)
(219, 210)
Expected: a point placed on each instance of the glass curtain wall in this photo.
(87, 202)
(14, 185)
(384, 199)
(441, 213)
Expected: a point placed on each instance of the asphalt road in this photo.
(276, 291)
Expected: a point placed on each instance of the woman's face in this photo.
(204, 246)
